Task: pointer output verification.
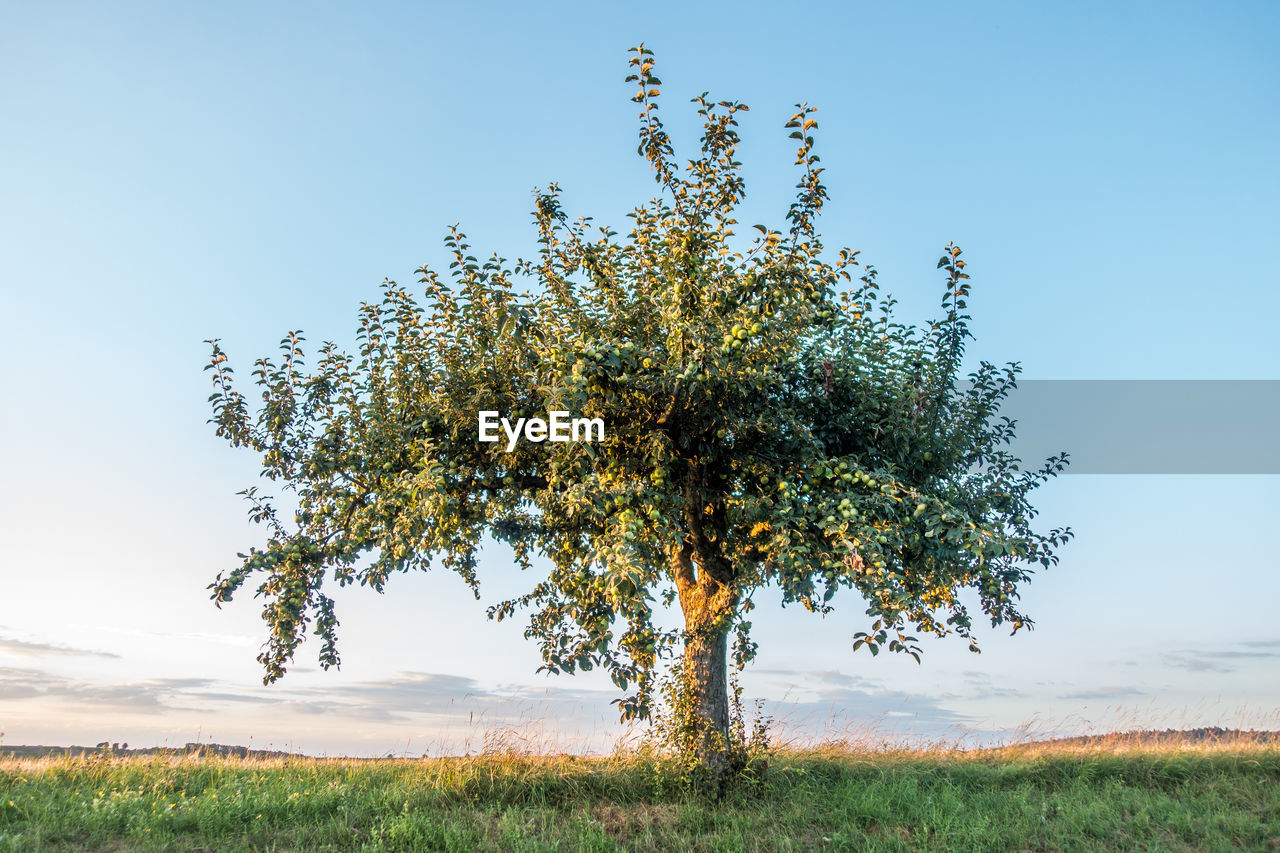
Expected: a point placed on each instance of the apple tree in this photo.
(767, 421)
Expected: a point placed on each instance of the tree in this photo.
(767, 421)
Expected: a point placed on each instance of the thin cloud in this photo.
(991, 691)
(1109, 692)
(401, 698)
(408, 695)
(223, 696)
(832, 676)
(1196, 660)
(23, 648)
(836, 706)
(983, 687)
(155, 695)
(206, 637)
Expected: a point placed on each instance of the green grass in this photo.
(1223, 797)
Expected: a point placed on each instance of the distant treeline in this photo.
(106, 748)
(1211, 734)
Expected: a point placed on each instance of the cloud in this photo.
(216, 696)
(832, 676)
(155, 694)
(1195, 662)
(849, 713)
(407, 695)
(1200, 660)
(805, 677)
(206, 637)
(402, 697)
(833, 705)
(22, 648)
(1109, 692)
(20, 683)
(983, 687)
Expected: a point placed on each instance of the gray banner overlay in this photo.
(1140, 426)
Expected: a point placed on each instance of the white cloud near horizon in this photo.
(27, 648)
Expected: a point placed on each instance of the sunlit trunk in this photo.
(708, 607)
(706, 680)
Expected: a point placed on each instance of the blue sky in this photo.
(171, 173)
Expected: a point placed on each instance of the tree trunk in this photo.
(707, 691)
(708, 606)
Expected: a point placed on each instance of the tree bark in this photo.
(707, 685)
(708, 606)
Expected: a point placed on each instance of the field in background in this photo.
(1121, 792)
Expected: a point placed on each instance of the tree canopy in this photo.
(768, 421)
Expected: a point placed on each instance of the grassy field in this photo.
(1111, 795)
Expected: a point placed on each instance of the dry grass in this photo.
(1130, 791)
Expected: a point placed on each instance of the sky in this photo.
(176, 172)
